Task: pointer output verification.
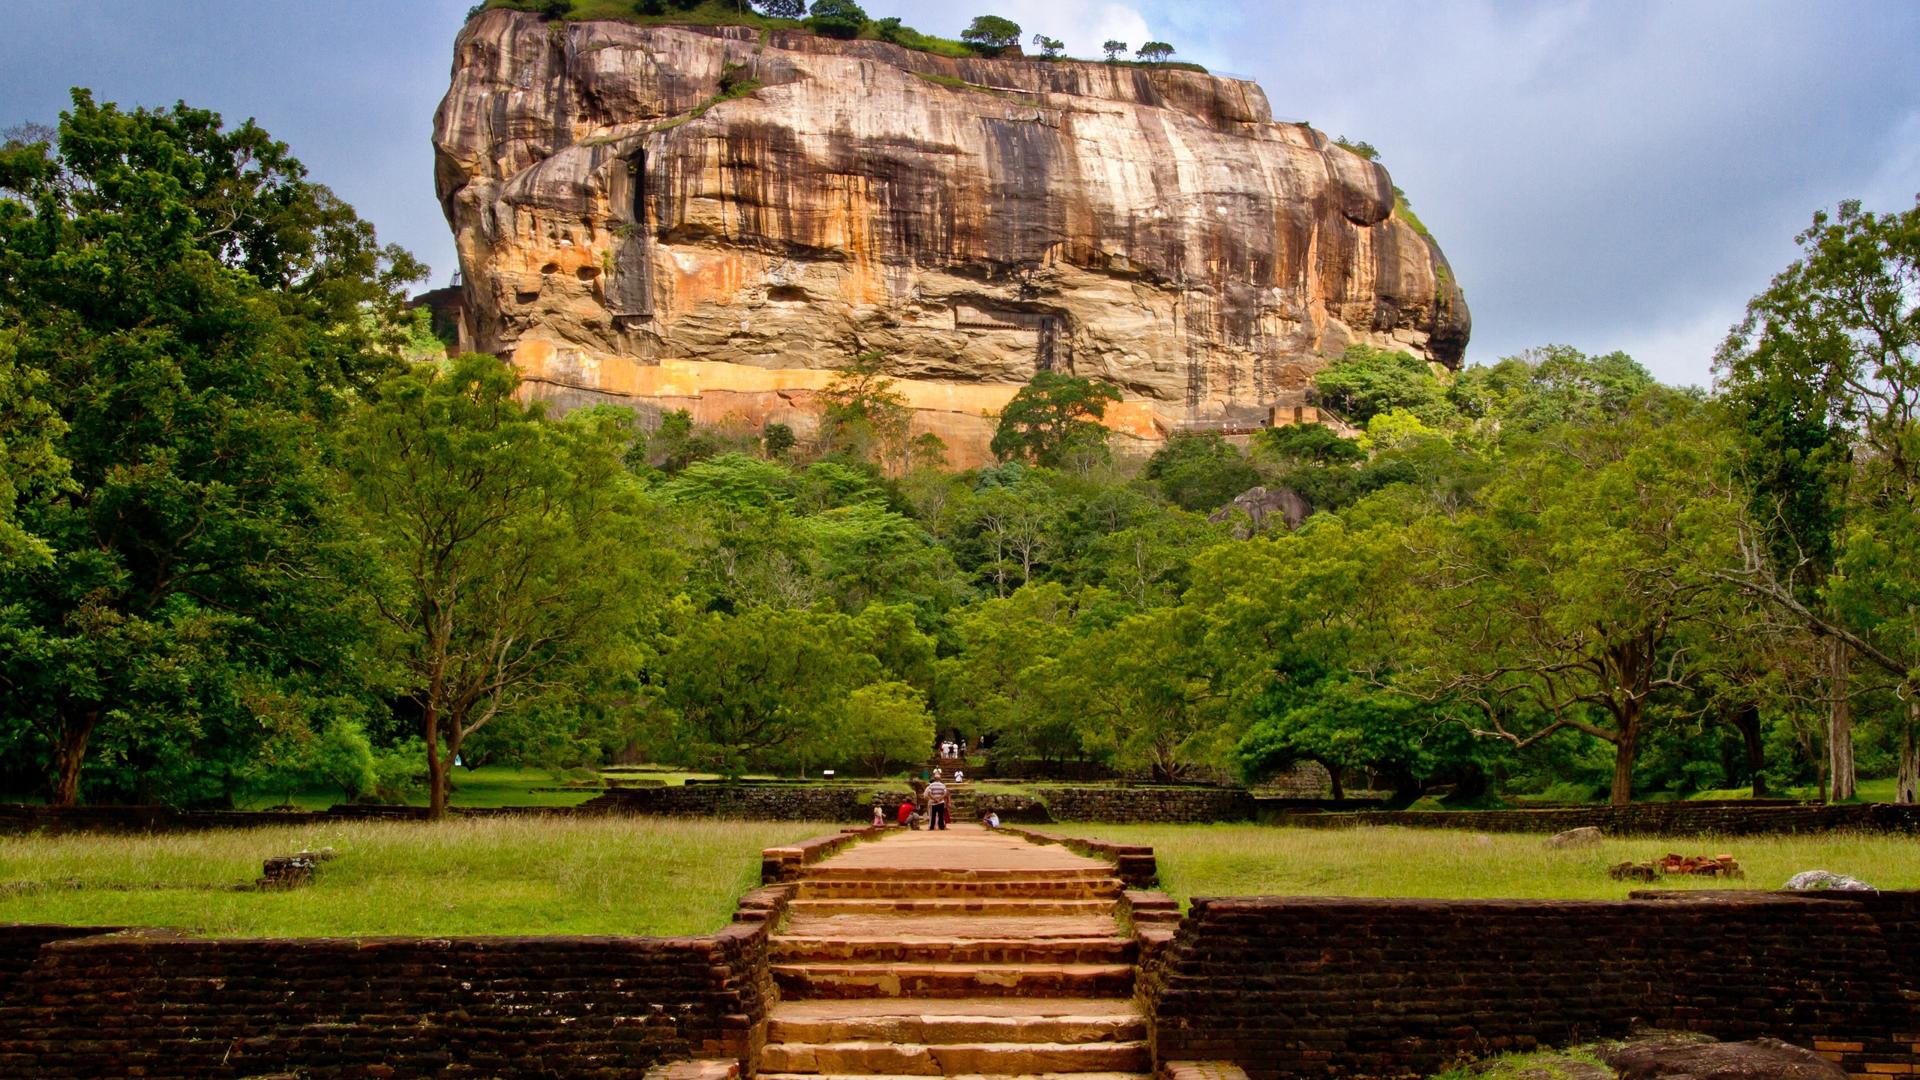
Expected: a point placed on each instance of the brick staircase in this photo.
(963, 953)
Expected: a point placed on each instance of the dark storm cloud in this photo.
(1611, 175)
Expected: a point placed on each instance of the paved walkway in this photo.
(963, 952)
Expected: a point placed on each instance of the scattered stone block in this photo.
(1702, 866)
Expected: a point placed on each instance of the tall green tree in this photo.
(1824, 375)
(762, 687)
(1570, 599)
(522, 568)
(883, 726)
(1364, 382)
(1200, 472)
(864, 416)
(1052, 416)
(184, 313)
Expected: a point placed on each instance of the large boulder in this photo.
(1679, 1057)
(712, 218)
(1257, 509)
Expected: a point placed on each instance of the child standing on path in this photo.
(936, 796)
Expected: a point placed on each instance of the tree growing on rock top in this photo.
(1154, 52)
(1051, 48)
(842, 19)
(1114, 49)
(781, 9)
(991, 34)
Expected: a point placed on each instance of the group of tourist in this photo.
(938, 808)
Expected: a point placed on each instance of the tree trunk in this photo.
(69, 754)
(1839, 721)
(1909, 785)
(1746, 720)
(436, 765)
(1625, 749)
(1333, 772)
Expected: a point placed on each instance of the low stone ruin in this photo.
(291, 871)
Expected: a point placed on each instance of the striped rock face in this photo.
(714, 219)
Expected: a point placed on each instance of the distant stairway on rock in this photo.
(963, 953)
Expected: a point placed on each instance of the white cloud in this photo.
(1679, 353)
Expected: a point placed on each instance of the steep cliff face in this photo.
(628, 229)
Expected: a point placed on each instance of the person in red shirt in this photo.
(906, 812)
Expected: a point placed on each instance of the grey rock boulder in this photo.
(1586, 836)
(1820, 880)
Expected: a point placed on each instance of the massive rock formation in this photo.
(714, 218)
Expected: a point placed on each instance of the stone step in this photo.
(1027, 887)
(909, 980)
(955, 1059)
(790, 949)
(918, 874)
(949, 927)
(958, 1020)
(998, 906)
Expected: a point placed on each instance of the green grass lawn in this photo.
(488, 876)
(1257, 860)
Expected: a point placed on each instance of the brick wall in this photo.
(851, 803)
(20, 947)
(1674, 818)
(580, 1007)
(1314, 987)
(1149, 804)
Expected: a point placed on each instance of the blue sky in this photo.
(1610, 174)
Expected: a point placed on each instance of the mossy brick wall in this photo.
(848, 803)
(1315, 987)
(1146, 804)
(583, 1007)
(30, 818)
(1675, 818)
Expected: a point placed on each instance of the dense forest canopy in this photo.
(250, 540)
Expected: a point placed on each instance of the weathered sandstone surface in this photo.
(627, 232)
